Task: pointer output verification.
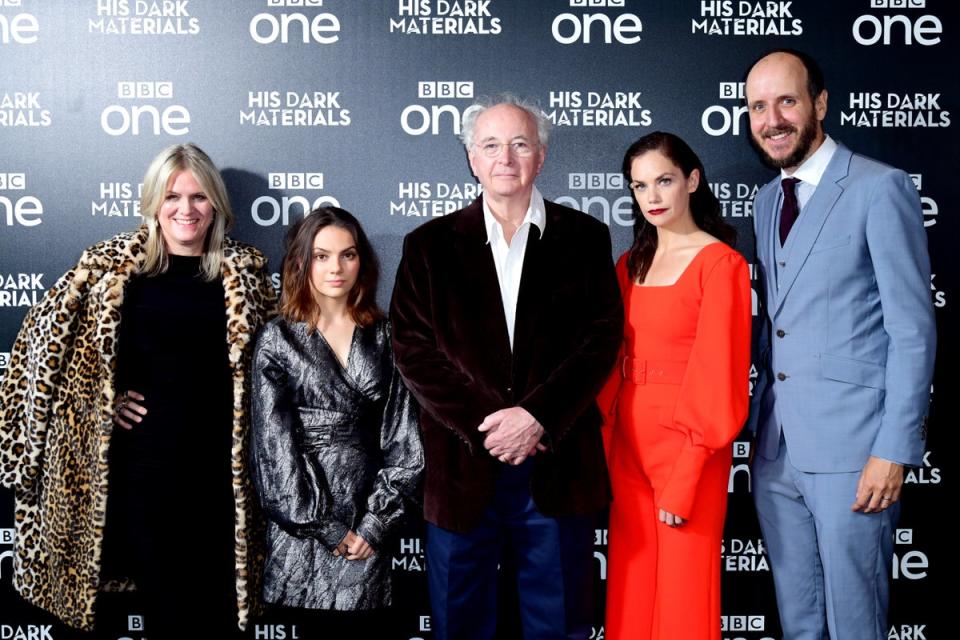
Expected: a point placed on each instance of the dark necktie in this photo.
(790, 209)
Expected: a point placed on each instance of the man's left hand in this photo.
(512, 434)
(879, 486)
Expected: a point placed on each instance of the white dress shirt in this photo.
(810, 172)
(509, 257)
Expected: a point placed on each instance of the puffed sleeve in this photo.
(294, 494)
(609, 394)
(398, 481)
(714, 394)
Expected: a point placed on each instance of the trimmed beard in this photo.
(799, 153)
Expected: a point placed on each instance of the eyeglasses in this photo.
(492, 149)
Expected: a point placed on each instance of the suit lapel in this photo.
(764, 214)
(480, 275)
(811, 220)
(533, 287)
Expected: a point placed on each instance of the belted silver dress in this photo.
(333, 449)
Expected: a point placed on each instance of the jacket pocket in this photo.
(830, 243)
(859, 372)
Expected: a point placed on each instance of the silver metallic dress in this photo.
(333, 449)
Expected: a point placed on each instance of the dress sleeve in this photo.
(398, 481)
(714, 394)
(294, 494)
(610, 393)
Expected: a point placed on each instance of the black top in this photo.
(173, 350)
(171, 472)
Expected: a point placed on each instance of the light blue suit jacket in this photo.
(845, 357)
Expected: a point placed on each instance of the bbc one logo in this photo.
(135, 115)
(897, 28)
(591, 194)
(600, 543)
(418, 119)
(740, 465)
(929, 206)
(586, 28)
(296, 26)
(17, 28)
(16, 208)
(910, 564)
(721, 119)
(270, 209)
(423, 625)
(743, 624)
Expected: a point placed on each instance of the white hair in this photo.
(483, 103)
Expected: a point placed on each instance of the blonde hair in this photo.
(173, 159)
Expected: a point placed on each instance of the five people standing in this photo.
(507, 318)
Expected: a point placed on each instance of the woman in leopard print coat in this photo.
(58, 400)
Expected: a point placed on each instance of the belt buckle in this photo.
(637, 376)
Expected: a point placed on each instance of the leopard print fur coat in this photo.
(56, 418)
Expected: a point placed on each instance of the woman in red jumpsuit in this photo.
(676, 400)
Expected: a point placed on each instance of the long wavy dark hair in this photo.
(704, 206)
(296, 297)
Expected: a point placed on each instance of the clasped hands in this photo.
(353, 547)
(513, 435)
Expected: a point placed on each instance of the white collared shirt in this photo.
(509, 258)
(810, 172)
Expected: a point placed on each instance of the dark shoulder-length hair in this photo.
(704, 206)
(297, 303)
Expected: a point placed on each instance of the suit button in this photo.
(781, 376)
(510, 390)
(781, 333)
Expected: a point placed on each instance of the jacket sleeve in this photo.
(294, 494)
(609, 394)
(712, 402)
(441, 388)
(398, 480)
(574, 384)
(27, 391)
(898, 249)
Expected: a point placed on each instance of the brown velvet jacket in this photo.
(452, 348)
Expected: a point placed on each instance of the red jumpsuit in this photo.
(675, 402)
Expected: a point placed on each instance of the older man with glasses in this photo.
(507, 318)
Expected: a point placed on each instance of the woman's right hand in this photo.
(128, 410)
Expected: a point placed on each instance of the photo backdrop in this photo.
(357, 103)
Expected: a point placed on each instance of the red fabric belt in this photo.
(640, 371)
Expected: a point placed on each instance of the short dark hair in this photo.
(815, 81)
(296, 296)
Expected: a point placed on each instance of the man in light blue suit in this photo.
(845, 358)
